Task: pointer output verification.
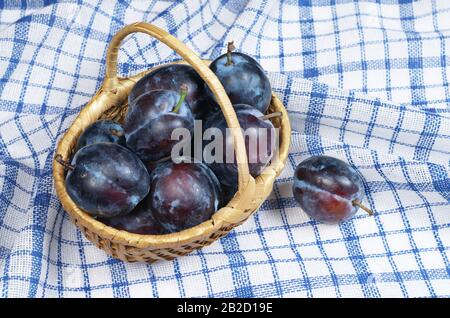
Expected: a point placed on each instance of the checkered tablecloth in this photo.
(364, 81)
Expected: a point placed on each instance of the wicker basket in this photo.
(111, 102)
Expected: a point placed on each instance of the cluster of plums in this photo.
(123, 174)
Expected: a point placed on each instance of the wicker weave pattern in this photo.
(111, 102)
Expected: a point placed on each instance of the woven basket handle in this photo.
(246, 181)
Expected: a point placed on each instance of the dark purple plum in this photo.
(260, 140)
(139, 221)
(152, 118)
(171, 77)
(101, 131)
(183, 195)
(243, 78)
(106, 179)
(328, 189)
(151, 105)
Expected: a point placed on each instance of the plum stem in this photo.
(271, 115)
(357, 203)
(164, 159)
(230, 48)
(183, 93)
(59, 159)
(116, 133)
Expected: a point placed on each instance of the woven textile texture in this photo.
(364, 81)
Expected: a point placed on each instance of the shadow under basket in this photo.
(110, 102)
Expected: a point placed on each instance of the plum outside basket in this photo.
(111, 102)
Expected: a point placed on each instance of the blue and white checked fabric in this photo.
(364, 81)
